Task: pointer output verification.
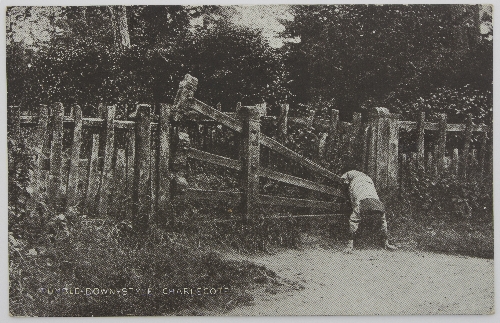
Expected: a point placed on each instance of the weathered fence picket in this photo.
(55, 182)
(74, 168)
(164, 156)
(467, 142)
(107, 175)
(441, 144)
(249, 155)
(142, 164)
(94, 175)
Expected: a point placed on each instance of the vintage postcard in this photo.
(257, 160)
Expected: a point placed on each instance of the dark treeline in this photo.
(348, 57)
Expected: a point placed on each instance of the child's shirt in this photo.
(360, 187)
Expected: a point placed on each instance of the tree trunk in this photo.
(118, 15)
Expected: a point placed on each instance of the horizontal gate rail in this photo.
(411, 125)
(214, 159)
(273, 217)
(197, 194)
(213, 113)
(290, 201)
(297, 181)
(90, 122)
(276, 146)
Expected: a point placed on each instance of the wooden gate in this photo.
(246, 124)
(103, 165)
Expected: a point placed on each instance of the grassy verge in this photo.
(103, 255)
(462, 236)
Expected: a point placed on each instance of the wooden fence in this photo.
(389, 165)
(102, 164)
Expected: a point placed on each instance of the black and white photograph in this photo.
(249, 160)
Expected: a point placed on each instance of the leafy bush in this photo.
(450, 197)
(455, 102)
(445, 214)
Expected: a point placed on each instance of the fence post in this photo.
(101, 110)
(74, 168)
(107, 169)
(430, 169)
(441, 150)
(283, 122)
(455, 162)
(421, 143)
(164, 154)
(354, 139)
(187, 87)
(130, 137)
(383, 148)
(332, 133)
(142, 166)
(93, 184)
(466, 152)
(482, 152)
(54, 189)
(250, 155)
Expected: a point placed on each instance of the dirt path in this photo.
(375, 281)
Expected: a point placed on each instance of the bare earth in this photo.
(371, 282)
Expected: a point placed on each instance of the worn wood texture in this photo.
(55, 180)
(276, 146)
(153, 175)
(197, 194)
(441, 144)
(130, 151)
(455, 162)
(289, 201)
(466, 151)
(410, 125)
(185, 93)
(93, 175)
(74, 168)
(297, 181)
(283, 122)
(354, 138)
(163, 163)
(482, 153)
(393, 162)
(404, 172)
(250, 158)
(142, 166)
(107, 170)
(213, 159)
(421, 142)
(42, 136)
(429, 168)
(331, 142)
(119, 178)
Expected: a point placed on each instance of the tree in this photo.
(360, 55)
(137, 54)
(235, 64)
(119, 25)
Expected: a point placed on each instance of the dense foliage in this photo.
(368, 55)
(81, 62)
